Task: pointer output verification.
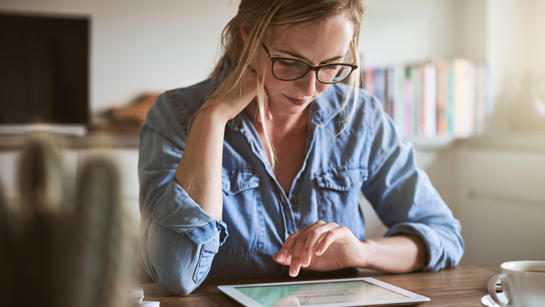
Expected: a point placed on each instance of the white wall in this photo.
(398, 32)
(516, 45)
(139, 45)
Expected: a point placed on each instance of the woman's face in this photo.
(324, 41)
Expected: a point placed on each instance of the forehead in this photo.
(315, 40)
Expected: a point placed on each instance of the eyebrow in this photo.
(293, 54)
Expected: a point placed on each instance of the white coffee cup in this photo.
(523, 283)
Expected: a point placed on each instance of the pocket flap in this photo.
(343, 180)
(238, 181)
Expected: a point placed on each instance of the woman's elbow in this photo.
(169, 262)
(176, 282)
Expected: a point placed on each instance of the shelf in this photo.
(91, 140)
(512, 141)
(434, 143)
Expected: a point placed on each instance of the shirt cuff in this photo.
(179, 212)
(429, 237)
(204, 233)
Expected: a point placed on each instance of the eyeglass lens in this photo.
(291, 70)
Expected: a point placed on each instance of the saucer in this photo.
(489, 302)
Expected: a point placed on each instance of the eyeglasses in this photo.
(290, 69)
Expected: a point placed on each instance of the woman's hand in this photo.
(229, 107)
(321, 247)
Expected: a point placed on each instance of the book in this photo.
(447, 98)
(399, 103)
(460, 95)
(442, 97)
(430, 100)
(369, 81)
(390, 91)
(417, 86)
(379, 85)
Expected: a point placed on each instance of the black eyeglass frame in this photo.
(309, 67)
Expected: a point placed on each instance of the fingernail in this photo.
(294, 272)
(320, 251)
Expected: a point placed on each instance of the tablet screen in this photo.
(356, 291)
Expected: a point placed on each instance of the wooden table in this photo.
(462, 286)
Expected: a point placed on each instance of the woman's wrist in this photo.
(214, 114)
(397, 254)
(367, 250)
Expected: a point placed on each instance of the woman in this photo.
(257, 171)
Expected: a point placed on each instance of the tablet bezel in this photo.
(412, 298)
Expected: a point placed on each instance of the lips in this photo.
(297, 101)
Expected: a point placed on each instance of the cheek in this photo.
(277, 87)
(320, 87)
(274, 86)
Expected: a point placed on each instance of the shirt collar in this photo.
(328, 104)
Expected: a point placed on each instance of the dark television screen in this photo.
(43, 69)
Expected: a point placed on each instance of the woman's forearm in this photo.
(398, 254)
(199, 170)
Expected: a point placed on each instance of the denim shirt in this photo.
(182, 244)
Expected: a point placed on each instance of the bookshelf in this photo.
(404, 33)
(433, 99)
(433, 89)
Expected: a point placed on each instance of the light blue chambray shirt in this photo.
(182, 244)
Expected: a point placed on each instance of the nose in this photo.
(307, 84)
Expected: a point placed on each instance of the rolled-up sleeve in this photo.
(404, 198)
(178, 239)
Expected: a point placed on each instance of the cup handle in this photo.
(506, 289)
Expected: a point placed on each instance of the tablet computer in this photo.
(363, 291)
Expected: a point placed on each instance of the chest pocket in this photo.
(238, 181)
(242, 212)
(338, 193)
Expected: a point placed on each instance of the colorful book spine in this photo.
(409, 103)
(471, 97)
(442, 98)
(390, 91)
(399, 103)
(417, 86)
(369, 81)
(447, 98)
(450, 99)
(430, 100)
(379, 85)
(460, 92)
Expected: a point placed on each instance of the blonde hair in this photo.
(260, 14)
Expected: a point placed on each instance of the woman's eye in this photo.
(331, 67)
(288, 63)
